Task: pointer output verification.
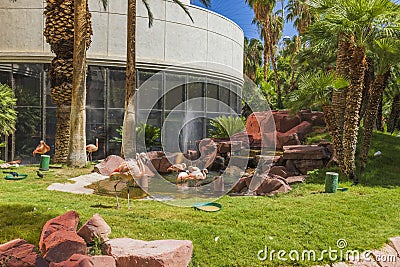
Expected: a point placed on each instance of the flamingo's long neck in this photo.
(97, 143)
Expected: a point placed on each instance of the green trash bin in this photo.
(44, 162)
(331, 182)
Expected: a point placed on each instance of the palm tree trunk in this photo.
(266, 59)
(394, 113)
(331, 124)
(63, 115)
(129, 124)
(77, 144)
(368, 80)
(353, 104)
(339, 97)
(379, 114)
(293, 67)
(375, 92)
(278, 89)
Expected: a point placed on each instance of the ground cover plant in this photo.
(306, 218)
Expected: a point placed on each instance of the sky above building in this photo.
(239, 12)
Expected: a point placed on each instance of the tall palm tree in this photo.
(262, 15)
(300, 13)
(252, 57)
(387, 53)
(129, 123)
(59, 33)
(354, 22)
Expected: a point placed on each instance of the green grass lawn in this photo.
(365, 216)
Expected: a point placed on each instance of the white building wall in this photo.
(172, 40)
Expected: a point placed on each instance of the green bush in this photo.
(8, 115)
(224, 126)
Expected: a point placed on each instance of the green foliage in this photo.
(149, 133)
(223, 126)
(95, 249)
(8, 115)
(315, 90)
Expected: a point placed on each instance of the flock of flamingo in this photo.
(135, 168)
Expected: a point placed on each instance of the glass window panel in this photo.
(150, 90)
(116, 90)
(174, 91)
(5, 74)
(95, 87)
(224, 94)
(27, 84)
(212, 94)
(28, 133)
(196, 90)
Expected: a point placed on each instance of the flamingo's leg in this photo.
(116, 195)
(129, 201)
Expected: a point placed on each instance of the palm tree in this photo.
(262, 15)
(129, 124)
(315, 91)
(354, 22)
(252, 57)
(300, 13)
(387, 53)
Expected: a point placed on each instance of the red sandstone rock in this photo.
(304, 152)
(260, 122)
(67, 222)
(95, 227)
(308, 165)
(386, 256)
(273, 185)
(167, 253)
(279, 170)
(395, 243)
(316, 118)
(296, 179)
(78, 260)
(301, 130)
(19, 253)
(288, 123)
(61, 245)
(108, 165)
(286, 139)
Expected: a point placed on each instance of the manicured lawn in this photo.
(306, 218)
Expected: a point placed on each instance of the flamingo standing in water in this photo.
(128, 171)
(90, 148)
(42, 148)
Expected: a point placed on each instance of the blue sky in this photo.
(242, 14)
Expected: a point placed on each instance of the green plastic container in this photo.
(331, 182)
(44, 162)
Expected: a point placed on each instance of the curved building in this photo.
(203, 58)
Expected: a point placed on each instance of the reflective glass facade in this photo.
(105, 103)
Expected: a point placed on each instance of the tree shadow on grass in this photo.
(22, 221)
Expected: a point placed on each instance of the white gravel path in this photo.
(79, 186)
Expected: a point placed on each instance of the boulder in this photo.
(279, 170)
(78, 260)
(128, 252)
(286, 139)
(395, 243)
(273, 185)
(308, 165)
(242, 183)
(19, 253)
(386, 256)
(291, 168)
(95, 227)
(66, 222)
(305, 152)
(108, 165)
(260, 122)
(301, 130)
(316, 118)
(286, 123)
(296, 179)
(61, 245)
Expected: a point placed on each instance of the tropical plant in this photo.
(8, 115)
(128, 148)
(355, 23)
(226, 126)
(387, 53)
(252, 57)
(149, 133)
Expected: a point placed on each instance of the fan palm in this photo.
(252, 57)
(355, 23)
(387, 53)
(8, 115)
